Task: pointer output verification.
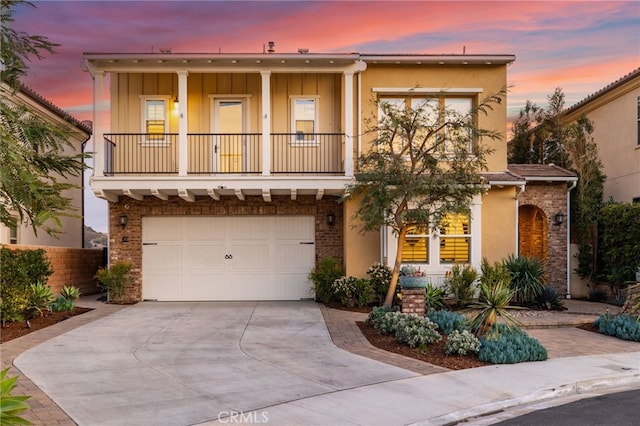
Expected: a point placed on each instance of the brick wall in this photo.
(71, 267)
(547, 199)
(329, 238)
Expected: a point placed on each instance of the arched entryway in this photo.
(533, 232)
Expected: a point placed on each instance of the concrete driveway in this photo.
(186, 363)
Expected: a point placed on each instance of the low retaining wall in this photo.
(71, 267)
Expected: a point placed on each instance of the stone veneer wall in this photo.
(71, 267)
(329, 238)
(551, 198)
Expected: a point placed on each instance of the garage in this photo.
(198, 258)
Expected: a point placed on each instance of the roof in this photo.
(610, 87)
(277, 62)
(542, 172)
(53, 108)
(503, 178)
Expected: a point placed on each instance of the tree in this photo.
(524, 147)
(425, 164)
(586, 199)
(33, 164)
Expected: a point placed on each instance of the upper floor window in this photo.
(434, 112)
(13, 234)
(154, 120)
(304, 119)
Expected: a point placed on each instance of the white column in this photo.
(98, 124)
(266, 122)
(183, 154)
(348, 123)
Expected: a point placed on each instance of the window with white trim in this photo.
(13, 234)
(455, 239)
(154, 120)
(416, 246)
(435, 110)
(304, 113)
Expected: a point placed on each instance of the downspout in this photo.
(569, 189)
(89, 125)
(518, 195)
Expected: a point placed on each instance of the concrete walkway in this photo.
(275, 362)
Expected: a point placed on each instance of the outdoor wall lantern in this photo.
(331, 218)
(558, 219)
(176, 104)
(123, 221)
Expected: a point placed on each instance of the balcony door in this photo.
(229, 124)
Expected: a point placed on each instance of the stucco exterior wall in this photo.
(499, 223)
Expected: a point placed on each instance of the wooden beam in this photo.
(239, 194)
(294, 194)
(213, 194)
(266, 195)
(129, 193)
(320, 194)
(160, 194)
(109, 196)
(186, 195)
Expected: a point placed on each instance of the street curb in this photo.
(576, 388)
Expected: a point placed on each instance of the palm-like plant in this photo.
(495, 296)
(11, 405)
(527, 278)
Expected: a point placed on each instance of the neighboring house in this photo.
(224, 172)
(72, 227)
(615, 114)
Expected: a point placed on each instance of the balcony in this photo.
(224, 154)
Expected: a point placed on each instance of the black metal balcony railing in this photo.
(208, 154)
(141, 153)
(224, 153)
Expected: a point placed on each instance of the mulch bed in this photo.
(16, 329)
(433, 354)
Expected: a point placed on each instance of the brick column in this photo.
(413, 301)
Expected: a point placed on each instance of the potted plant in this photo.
(412, 277)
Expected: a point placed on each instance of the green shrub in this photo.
(62, 305)
(351, 291)
(20, 269)
(416, 330)
(376, 315)
(527, 278)
(388, 323)
(40, 297)
(327, 271)
(549, 299)
(448, 321)
(11, 406)
(433, 298)
(380, 278)
(625, 327)
(115, 278)
(461, 283)
(493, 303)
(597, 295)
(510, 346)
(70, 293)
(461, 343)
(619, 242)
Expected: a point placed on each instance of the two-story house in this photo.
(72, 225)
(614, 111)
(224, 172)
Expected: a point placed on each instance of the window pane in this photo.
(457, 108)
(416, 246)
(395, 104)
(455, 240)
(13, 235)
(155, 110)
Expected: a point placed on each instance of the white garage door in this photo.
(227, 258)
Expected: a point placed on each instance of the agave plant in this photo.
(11, 405)
(433, 298)
(495, 296)
(70, 293)
(527, 278)
(40, 297)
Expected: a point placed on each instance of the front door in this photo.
(229, 140)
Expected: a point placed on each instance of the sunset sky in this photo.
(580, 46)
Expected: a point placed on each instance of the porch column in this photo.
(266, 122)
(348, 123)
(182, 123)
(98, 124)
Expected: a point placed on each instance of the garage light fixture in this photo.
(331, 218)
(124, 219)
